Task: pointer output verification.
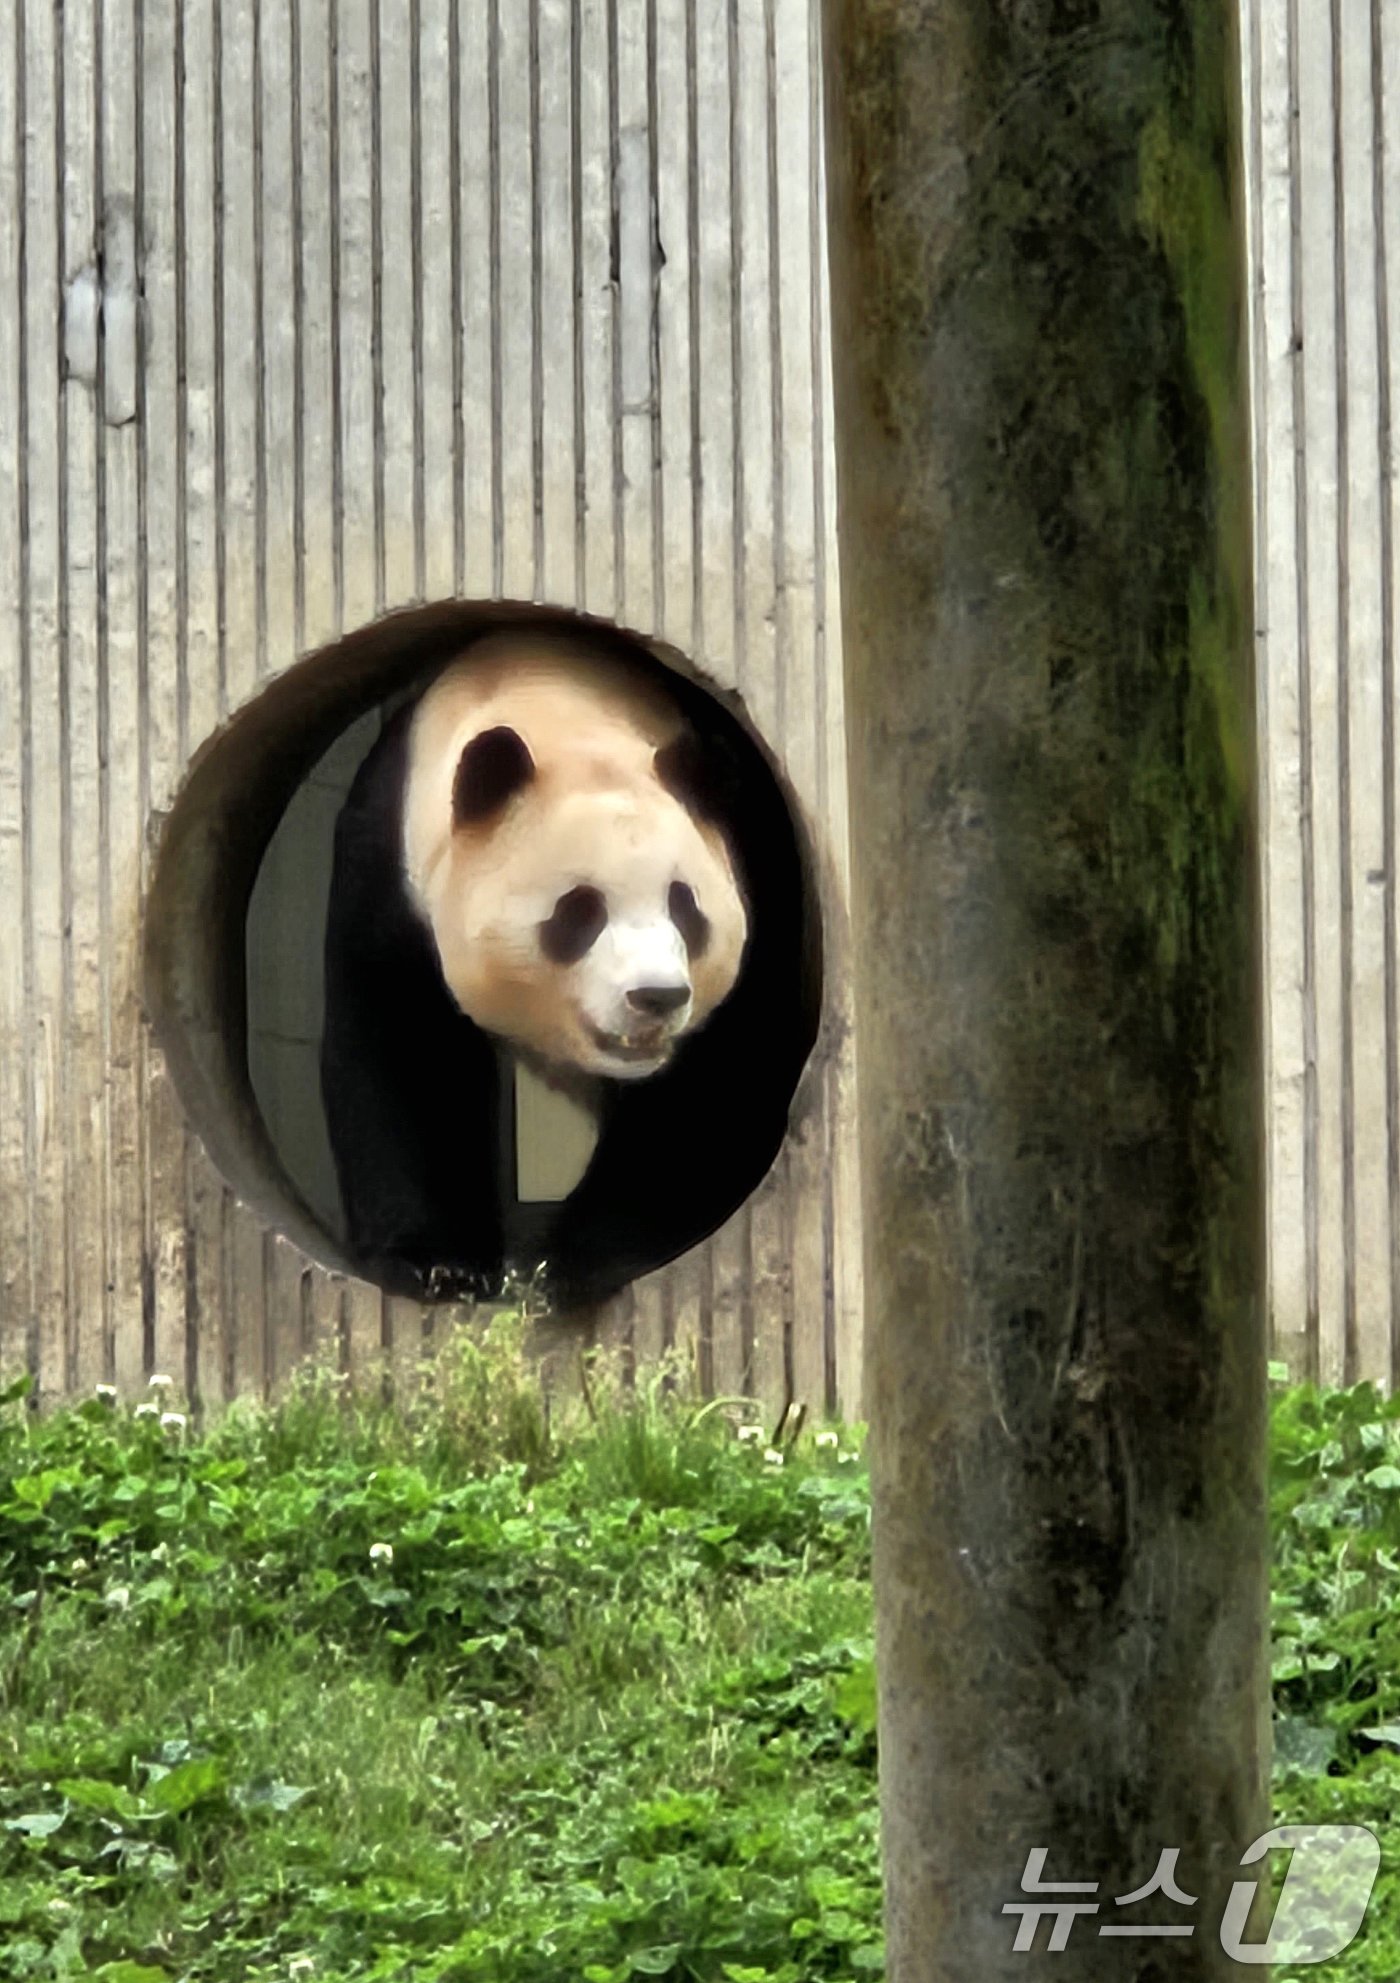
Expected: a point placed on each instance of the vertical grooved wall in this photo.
(518, 298)
(527, 298)
(1322, 95)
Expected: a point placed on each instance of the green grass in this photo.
(335, 1694)
(1336, 1631)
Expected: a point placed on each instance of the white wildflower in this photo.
(381, 1552)
(160, 1382)
(172, 1421)
(828, 1439)
(772, 1458)
(79, 1567)
(118, 1599)
(146, 1411)
(748, 1434)
(847, 1458)
(107, 1393)
(299, 1966)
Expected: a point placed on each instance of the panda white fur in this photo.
(545, 853)
(580, 910)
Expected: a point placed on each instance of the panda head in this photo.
(581, 893)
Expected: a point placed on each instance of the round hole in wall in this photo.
(235, 937)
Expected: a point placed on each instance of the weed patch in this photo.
(347, 1694)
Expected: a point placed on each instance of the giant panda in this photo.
(556, 854)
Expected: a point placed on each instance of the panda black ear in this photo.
(491, 770)
(692, 774)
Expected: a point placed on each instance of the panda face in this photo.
(634, 961)
(629, 968)
(594, 931)
(582, 910)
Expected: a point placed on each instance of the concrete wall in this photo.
(1322, 97)
(534, 306)
(323, 311)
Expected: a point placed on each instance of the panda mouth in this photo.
(654, 1048)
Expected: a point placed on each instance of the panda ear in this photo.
(692, 774)
(491, 770)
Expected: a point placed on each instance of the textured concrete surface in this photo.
(1321, 88)
(1043, 477)
(397, 305)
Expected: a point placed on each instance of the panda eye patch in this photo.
(688, 917)
(579, 918)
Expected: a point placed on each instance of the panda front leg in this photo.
(412, 1116)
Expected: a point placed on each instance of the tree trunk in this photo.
(1043, 462)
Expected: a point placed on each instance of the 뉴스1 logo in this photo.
(1325, 1893)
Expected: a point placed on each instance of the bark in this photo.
(1042, 445)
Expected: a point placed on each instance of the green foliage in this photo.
(339, 1691)
(1336, 1636)
(350, 1695)
(1336, 1622)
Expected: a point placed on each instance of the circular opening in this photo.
(235, 938)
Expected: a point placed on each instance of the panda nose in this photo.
(656, 1001)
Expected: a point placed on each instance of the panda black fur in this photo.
(412, 1085)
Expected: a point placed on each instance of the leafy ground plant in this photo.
(346, 1693)
(351, 1694)
(1336, 1636)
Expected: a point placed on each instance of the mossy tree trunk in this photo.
(1043, 466)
